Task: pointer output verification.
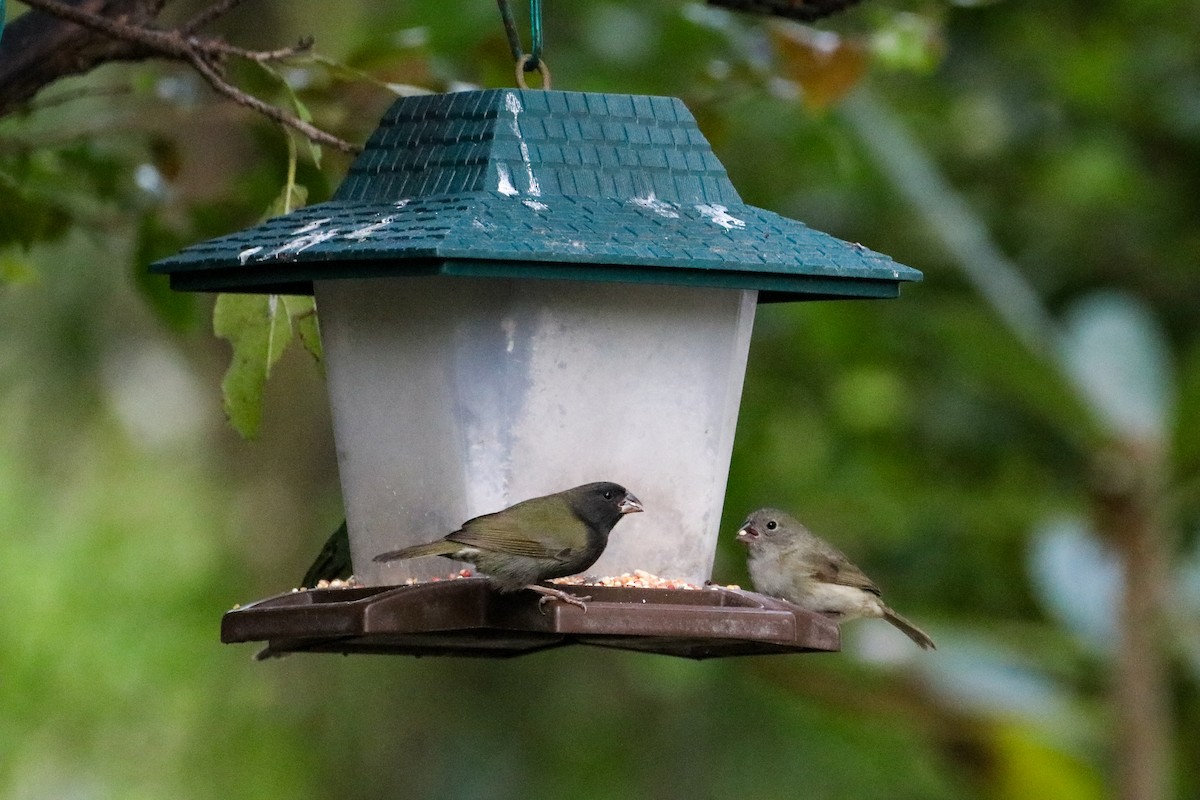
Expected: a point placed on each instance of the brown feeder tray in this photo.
(466, 617)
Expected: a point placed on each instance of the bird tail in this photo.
(911, 631)
(333, 561)
(439, 548)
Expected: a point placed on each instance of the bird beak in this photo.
(747, 534)
(630, 505)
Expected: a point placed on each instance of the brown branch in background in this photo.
(261, 56)
(1128, 501)
(210, 74)
(135, 40)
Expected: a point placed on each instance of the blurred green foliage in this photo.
(919, 434)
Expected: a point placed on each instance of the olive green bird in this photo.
(788, 560)
(332, 562)
(535, 540)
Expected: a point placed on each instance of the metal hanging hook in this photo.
(531, 62)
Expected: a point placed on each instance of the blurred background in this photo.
(1009, 450)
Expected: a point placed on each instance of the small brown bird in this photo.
(535, 540)
(788, 561)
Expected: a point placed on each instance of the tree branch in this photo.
(39, 49)
(1127, 502)
(130, 40)
(210, 74)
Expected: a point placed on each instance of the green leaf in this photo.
(27, 216)
(344, 72)
(909, 42)
(302, 111)
(1027, 766)
(314, 152)
(292, 196)
(259, 329)
(303, 313)
(14, 270)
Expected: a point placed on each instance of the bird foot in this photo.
(548, 594)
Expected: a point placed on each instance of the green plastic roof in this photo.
(538, 184)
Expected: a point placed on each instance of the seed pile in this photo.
(336, 583)
(462, 573)
(638, 579)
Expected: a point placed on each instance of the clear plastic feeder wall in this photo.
(456, 397)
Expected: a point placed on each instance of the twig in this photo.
(261, 56)
(235, 94)
(204, 54)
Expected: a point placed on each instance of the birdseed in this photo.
(638, 579)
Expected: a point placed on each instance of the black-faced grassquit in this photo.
(535, 540)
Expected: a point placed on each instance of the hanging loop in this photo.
(523, 66)
(533, 61)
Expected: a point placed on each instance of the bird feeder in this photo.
(521, 291)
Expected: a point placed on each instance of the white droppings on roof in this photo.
(536, 205)
(310, 227)
(403, 203)
(660, 207)
(513, 104)
(720, 215)
(302, 243)
(244, 256)
(366, 231)
(505, 186)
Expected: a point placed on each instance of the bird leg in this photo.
(549, 594)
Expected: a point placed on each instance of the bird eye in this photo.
(772, 525)
(608, 495)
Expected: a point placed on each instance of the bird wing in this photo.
(832, 569)
(535, 531)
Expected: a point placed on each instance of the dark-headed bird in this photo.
(535, 540)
